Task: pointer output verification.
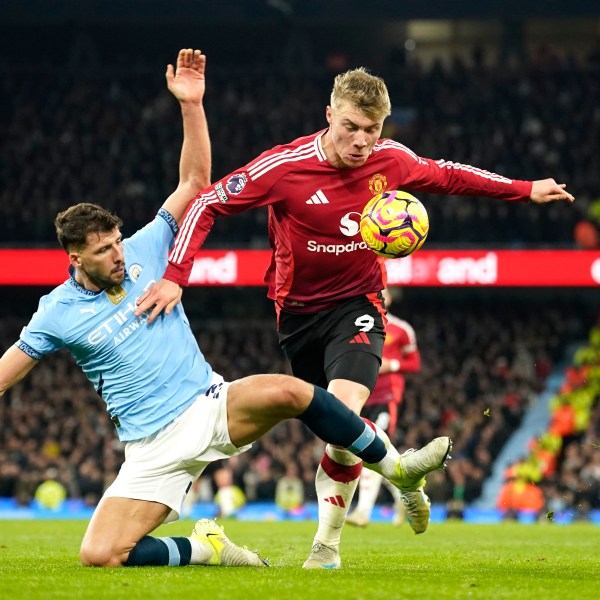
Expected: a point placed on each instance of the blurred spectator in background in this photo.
(229, 497)
(51, 494)
(289, 491)
(518, 495)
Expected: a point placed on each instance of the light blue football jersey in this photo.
(146, 374)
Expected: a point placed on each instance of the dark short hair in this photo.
(74, 224)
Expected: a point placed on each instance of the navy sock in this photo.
(166, 551)
(336, 424)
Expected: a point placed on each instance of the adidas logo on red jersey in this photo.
(318, 198)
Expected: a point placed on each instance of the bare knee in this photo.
(294, 394)
(99, 555)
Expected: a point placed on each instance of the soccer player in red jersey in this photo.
(325, 282)
(400, 355)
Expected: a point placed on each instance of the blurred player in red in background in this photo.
(400, 355)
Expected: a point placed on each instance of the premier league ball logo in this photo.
(236, 183)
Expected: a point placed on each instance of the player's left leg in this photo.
(400, 512)
(256, 403)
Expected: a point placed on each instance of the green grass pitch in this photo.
(39, 560)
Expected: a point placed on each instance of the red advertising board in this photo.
(552, 268)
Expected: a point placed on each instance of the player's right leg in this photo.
(352, 337)
(335, 483)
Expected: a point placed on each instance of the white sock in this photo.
(387, 465)
(370, 483)
(382, 434)
(202, 552)
(336, 481)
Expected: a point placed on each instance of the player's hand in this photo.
(186, 82)
(547, 190)
(163, 295)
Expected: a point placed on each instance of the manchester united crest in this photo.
(377, 184)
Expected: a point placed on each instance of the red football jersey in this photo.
(401, 345)
(319, 257)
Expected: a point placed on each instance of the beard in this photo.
(102, 281)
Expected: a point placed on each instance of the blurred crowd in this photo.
(96, 124)
(87, 128)
(482, 365)
(561, 469)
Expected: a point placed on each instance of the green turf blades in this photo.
(39, 560)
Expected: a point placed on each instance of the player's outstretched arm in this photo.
(547, 190)
(14, 365)
(187, 83)
(163, 295)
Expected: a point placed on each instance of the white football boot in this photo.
(411, 469)
(225, 552)
(323, 557)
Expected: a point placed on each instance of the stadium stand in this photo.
(87, 126)
(483, 363)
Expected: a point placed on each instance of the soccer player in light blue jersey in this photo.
(173, 412)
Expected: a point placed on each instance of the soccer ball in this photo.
(394, 224)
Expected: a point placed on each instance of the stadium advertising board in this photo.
(521, 268)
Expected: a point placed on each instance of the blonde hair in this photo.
(366, 92)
